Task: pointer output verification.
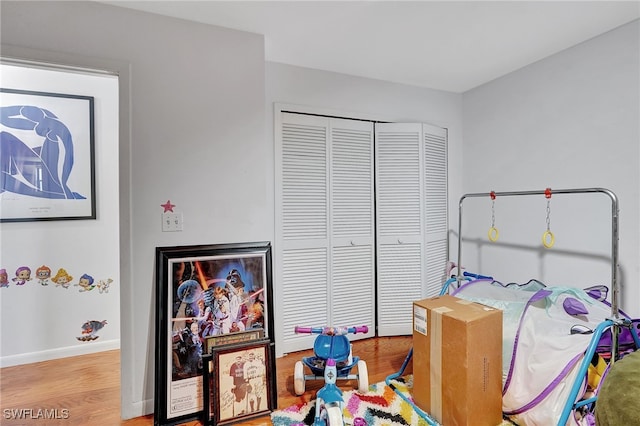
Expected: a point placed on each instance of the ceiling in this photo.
(447, 45)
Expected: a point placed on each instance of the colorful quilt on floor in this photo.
(381, 406)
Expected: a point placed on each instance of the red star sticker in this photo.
(168, 207)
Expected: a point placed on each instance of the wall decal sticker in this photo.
(103, 285)
(90, 330)
(86, 283)
(23, 274)
(4, 278)
(62, 278)
(168, 207)
(43, 274)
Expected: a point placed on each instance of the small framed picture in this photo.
(243, 383)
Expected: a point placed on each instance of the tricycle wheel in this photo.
(298, 378)
(334, 416)
(363, 377)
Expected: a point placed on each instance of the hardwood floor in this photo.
(85, 390)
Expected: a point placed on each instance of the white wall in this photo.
(192, 131)
(41, 321)
(568, 121)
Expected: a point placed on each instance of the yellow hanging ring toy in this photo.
(548, 239)
(493, 234)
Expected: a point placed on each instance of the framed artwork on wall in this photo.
(207, 297)
(241, 383)
(47, 156)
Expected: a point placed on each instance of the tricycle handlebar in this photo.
(332, 331)
(477, 276)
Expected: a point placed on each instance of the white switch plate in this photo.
(171, 222)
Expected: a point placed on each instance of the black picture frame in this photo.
(48, 143)
(241, 383)
(190, 306)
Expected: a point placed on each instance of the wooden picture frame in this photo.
(242, 383)
(231, 339)
(205, 293)
(48, 151)
(207, 389)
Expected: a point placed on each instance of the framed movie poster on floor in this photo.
(203, 292)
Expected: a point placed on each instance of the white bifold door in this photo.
(361, 223)
(326, 234)
(411, 217)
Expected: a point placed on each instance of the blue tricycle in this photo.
(332, 360)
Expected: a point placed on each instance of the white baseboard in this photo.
(137, 409)
(49, 354)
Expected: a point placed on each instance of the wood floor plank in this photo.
(88, 386)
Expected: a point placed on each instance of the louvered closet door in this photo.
(324, 188)
(435, 207)
(410, 189)
(352, 224)
(399, 213)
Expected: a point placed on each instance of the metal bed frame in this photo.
(615, 323)
(614, 228)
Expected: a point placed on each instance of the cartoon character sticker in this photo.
(4, 278)
(103, 285)
(43, 274)
(90, 330)
(23, 274)
(62, 278)
(86, 283)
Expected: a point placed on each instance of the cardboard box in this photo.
(457, 361)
